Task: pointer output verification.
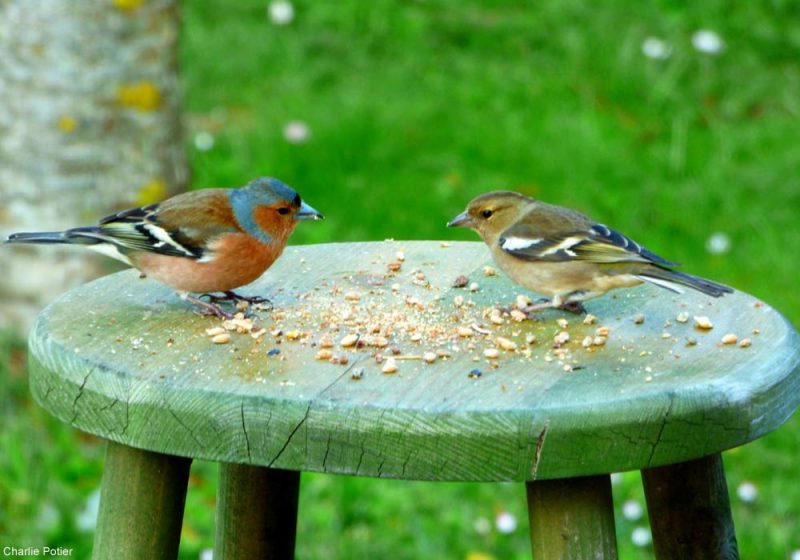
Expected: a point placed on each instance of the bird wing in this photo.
(597, 243)
(179, 227)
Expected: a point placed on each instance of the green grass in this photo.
(414, 108)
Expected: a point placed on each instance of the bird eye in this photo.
(283, 211)
(487, 213)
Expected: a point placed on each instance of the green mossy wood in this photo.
(125, 359)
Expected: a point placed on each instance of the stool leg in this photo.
(572, 518)
(141, 504)
(256, 512)
(690, 513)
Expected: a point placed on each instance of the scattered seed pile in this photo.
(403, 316)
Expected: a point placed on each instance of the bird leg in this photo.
(556, 303)
(208, 309)
(540, 305)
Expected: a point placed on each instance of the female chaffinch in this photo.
(211, 240)
(564, 254)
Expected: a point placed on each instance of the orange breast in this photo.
(238, 260)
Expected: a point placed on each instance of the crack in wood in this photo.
(327, 450)
(127, 413)
(537, 456)
(246, 437)
(291, 435)
(360, 458)
(187, 428)
(79, 395)
(661, 429)
(108, 406)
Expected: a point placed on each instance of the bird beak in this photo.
(462, 220)
(305, 212)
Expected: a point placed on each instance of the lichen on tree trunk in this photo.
(89, 124)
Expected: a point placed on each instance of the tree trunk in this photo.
(89, 124)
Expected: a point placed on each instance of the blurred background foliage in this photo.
(675, 122)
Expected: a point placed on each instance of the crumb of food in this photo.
(506, 344)
(221, 338)
(324, 354)
(474, 287)
(460, 281)
(703, 323)
(258, 333)
(530, 339)
(602, 331)
(745, 343)
(589, 319)
(496, 317)
(394, 266)
(561, 338)
(638, 319)
(377, 341)
(400, 256)
(464, 332)
(730, 338)
(682, 317)
(390, 366)
(293, 334)
(599, 340)
(562, 322)
(357, 374)
(429, 357)
(489, 271)
(214, 331)
(349, 340)
(691, 341)
(523, 301)
(756, 331)
(517, 315)
(491, 353)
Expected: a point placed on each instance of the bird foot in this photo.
(542, 304)
(236, 298)
(208, 309)
(575, 307)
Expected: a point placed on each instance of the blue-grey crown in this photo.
(269, 190)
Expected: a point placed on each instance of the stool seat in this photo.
(411, 360)
(124, 359)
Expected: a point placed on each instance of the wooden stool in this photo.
(126, 360)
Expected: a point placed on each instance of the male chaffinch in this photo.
(564, 254)
(211, 240)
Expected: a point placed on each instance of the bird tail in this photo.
(79, 236)
(672, 280)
